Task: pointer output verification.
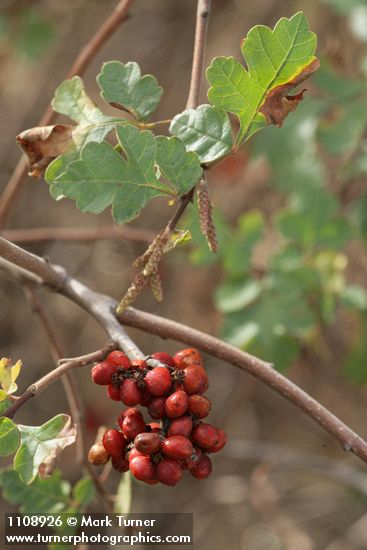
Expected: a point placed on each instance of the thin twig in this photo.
(17, 180)
(72, 234)
(39, 386)
(69, 381)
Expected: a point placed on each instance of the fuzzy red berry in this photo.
(176, 404)
(196, 379)
(158, 381)
(113, 393)
(98, 455)
(199, 405)
(132, 426)
(129, 393)
(202, 468)
(169, 471)
(138, 364)
(120, 464)
(221, 441)
(114, 443)
(148, 443)
(142, 468)
(187, 357)
(205, 435)
(181, 426)
(164, 358)
(177, 447)
(118, 359)
(102, 373)
(154, 427)
(156, 408)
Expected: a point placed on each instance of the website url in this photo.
(83, 538)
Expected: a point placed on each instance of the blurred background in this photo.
(289, 281)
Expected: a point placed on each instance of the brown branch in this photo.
(56, 374)
(17, 180)
(261, 370)
(202, 20)
(102, 308)
(72, 234)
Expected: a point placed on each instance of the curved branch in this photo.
(15, 184)
(103, 308)
(349, 440)
(54, 375)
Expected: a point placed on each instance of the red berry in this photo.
(187, 357)
(133, 453)
(196, 379)
(202, 468)
(199, 405)
(205, 435)
(148, 443)
(197, 453)
(114, 443)
(102, 373)
(177, 447)
(129, 393)
(154, 427)
(113, 393)
(176, 404)
(131, 411)
(221, 441)
(142, 468)
(132, 426)
(164, 358)
(169, 471)
(138, 364)
(181, 426)
(146, 398)
(118, 359)
(158, 381)
(120, 464)
(156, 408)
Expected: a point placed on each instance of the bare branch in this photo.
(56, 374)
(72, 234)
(17, 180)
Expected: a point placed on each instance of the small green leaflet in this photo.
(8, 376)
(277, 61)
(41, 446)
(123, 86)
(103, 176)
(206, 131)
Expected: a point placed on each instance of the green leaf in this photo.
(278, 59)
(235, 296)
(41, 446)
(343, 128)
(177, 165)
(35, 34)
(124, 495)
(42, 496)
(206, 131)
(103, 177)
(122, 85)
(249, 231)
(83, 491)
(354, 297)
(9, 437)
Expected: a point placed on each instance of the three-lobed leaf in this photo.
(123, 86)
(277, 60)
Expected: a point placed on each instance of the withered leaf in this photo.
(42, 144)
(278, 103)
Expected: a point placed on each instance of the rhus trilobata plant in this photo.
(103, 161)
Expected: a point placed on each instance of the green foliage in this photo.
(83, 491)
(41, 445)
(274, 58)
(123, 86)
(124, 495)
(206, 131)
(9, 437)
(50, 495)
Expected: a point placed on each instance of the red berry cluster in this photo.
(171, 388)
